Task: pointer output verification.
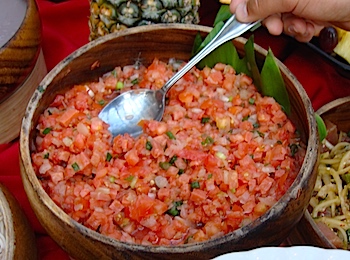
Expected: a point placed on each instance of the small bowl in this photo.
(163, 41)
(16, 235)
(306, 231)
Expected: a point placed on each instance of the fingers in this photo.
(299, 28)
(252, 10)
(274, 24)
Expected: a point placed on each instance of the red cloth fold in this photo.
(65, 29)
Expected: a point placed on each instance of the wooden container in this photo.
(16, 235)
(22, 64)
(124, 48)
(307, 231)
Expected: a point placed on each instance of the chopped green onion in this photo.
(195, 185)
(47, 130)
(75, 167)
(46, 156)
(260, 134)
(149, 146)
(108, 157)
(119, 85)
(174, 210)
(170, 135)
(101, 102)
(129, 178)
(181, 171)
(205, 120)
(173, 159)
(114, 73)
(256, 125)
(251, 101)
(210, 175)
(245, 118)
(208, 140)
(135, 81)
(164, 165)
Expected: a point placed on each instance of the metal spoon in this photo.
(125, 111)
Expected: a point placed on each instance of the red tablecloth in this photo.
(65, 28)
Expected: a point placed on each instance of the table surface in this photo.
(65, 29)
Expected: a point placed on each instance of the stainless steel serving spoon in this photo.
(124, 112)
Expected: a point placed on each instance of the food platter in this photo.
(287, 253)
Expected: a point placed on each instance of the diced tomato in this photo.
(132, 157)
(198, 196)
(67, 116)
(227, 160)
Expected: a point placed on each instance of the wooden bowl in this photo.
(307, 231)
(22, 62)
(163, 41)
(17, 237)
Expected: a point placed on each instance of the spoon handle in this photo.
(231, 29)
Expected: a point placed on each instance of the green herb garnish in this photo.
(108, 157)
(208, 140)
(129, 178)
(195, 185)
(47, 130)
(170, 135)
(119, 85)
(205, 120)
(173, 159)
(174, 211)
(164, 165)
(75, 167)
(149, 146)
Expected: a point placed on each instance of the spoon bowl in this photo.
(126, 111)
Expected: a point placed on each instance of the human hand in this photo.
(301, 19)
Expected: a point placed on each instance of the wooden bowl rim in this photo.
(292, 193)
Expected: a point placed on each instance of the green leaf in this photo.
(210, 36)
(251, 62)
(220, 55)
(322, 129)
(223, 14)
(272, 83)
(196, 44)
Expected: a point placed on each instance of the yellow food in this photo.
(343, 46)
(226, 2)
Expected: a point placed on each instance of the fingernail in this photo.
(242, 10)
(291, 29)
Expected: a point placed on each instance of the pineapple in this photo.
(343, 46)
(108, 16)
